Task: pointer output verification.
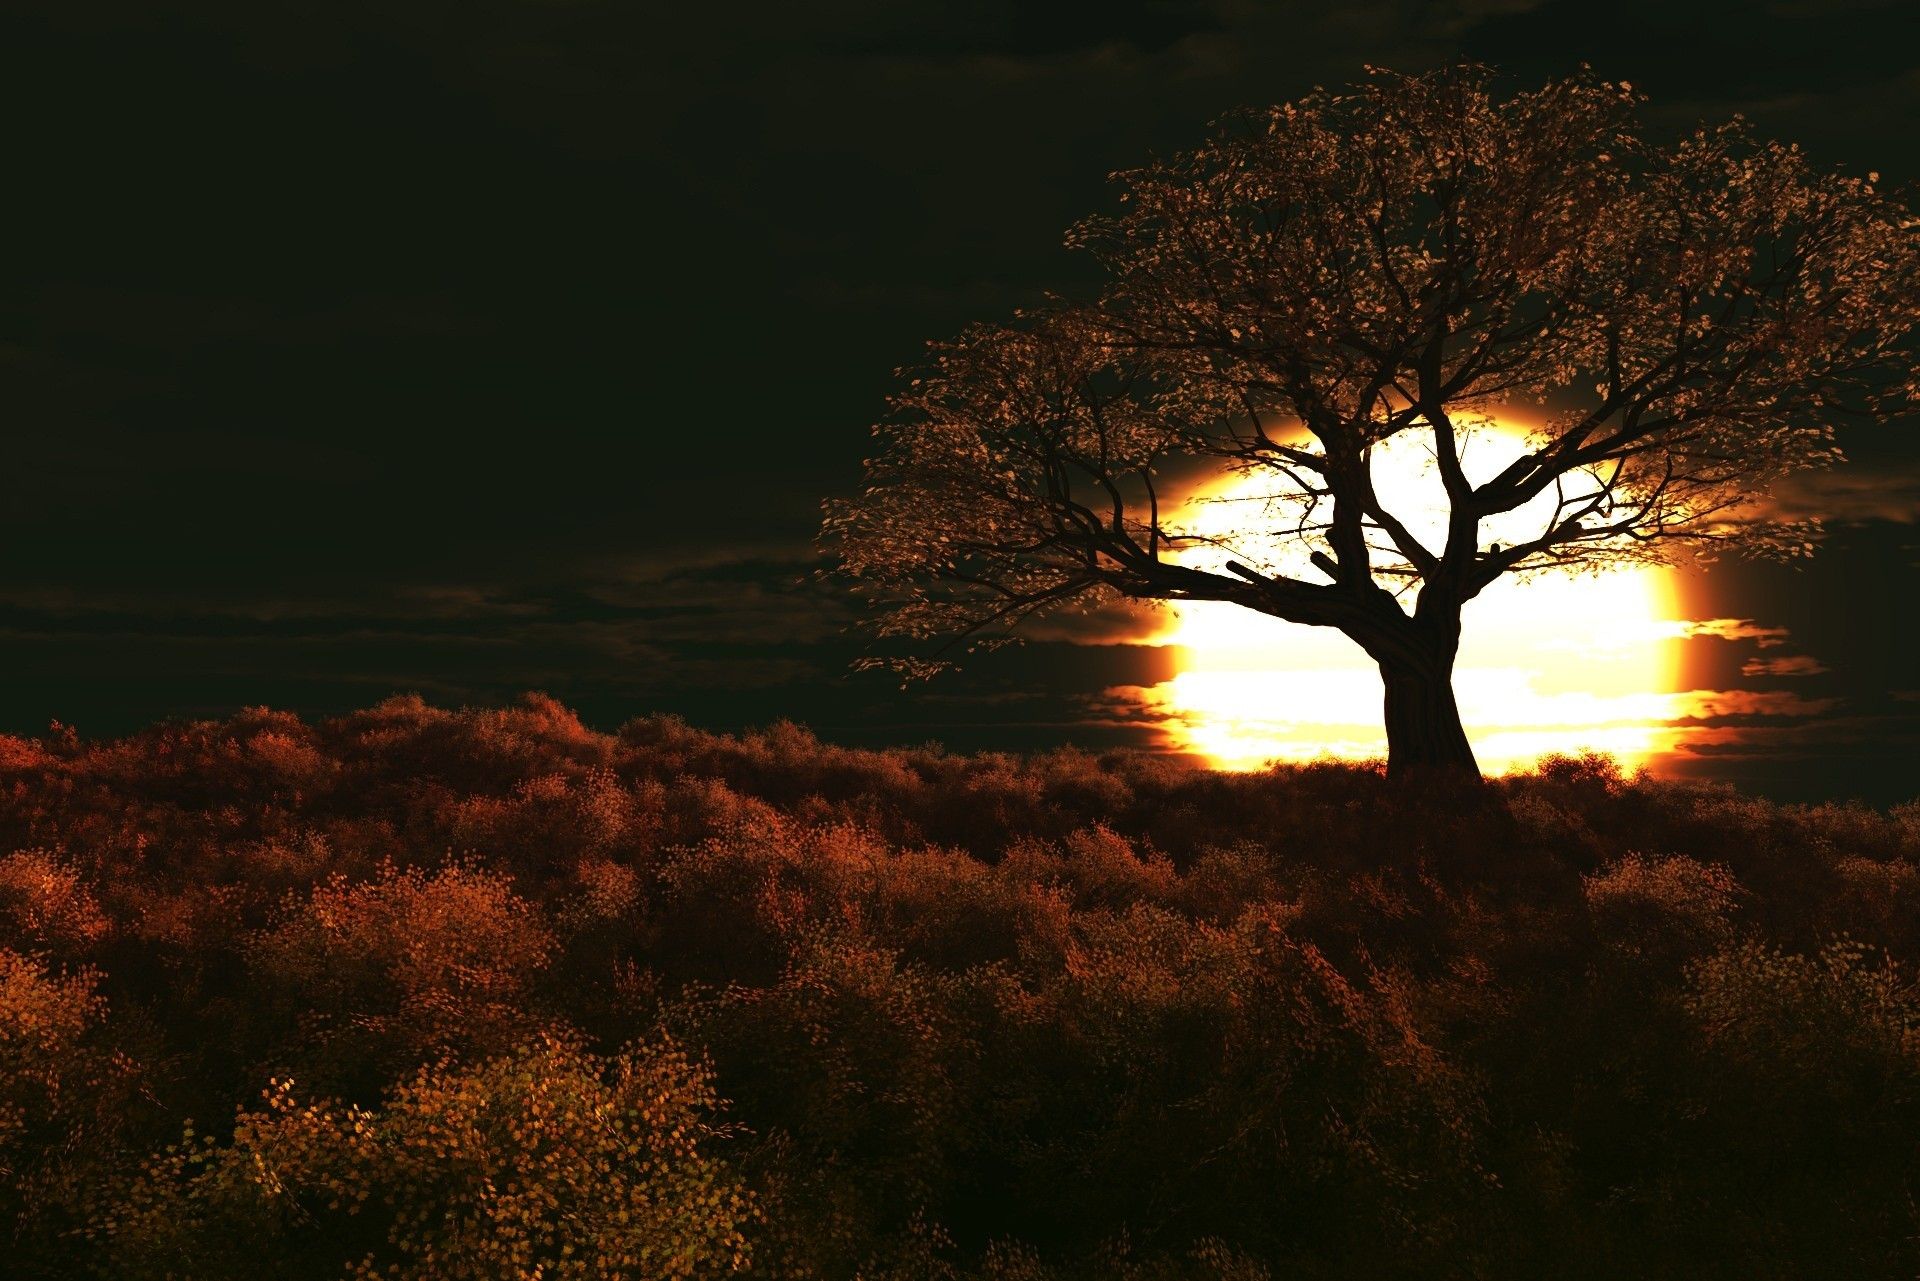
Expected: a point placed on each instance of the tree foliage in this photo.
(1686, 321)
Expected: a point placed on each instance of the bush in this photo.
(546, 1162)
(388, 973)
(45, 1021)
(44, 906)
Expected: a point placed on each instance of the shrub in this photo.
(544, 1162)
(45, 1021)
(1662, 906)
(1804, 1099)
(45, 906)
(392, 972)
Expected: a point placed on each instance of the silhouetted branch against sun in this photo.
(1689, 318)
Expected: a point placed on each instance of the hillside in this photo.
(486, 994)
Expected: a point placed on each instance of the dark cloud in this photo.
(1851, 495)
(1791, 665)
(1708, 50)
(1812, 759)
(1110, 621)
(1718, 706)
(959, 29)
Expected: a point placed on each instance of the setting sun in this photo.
(1554, 662)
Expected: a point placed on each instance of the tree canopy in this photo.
(1686, 321)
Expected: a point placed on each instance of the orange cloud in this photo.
(1739, 629)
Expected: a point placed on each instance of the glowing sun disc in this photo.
(1556, 662)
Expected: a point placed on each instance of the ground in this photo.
(488, 994)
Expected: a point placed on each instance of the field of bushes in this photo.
(486, 994)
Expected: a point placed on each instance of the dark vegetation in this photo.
(486, 994)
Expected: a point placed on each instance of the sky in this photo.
(351, 349)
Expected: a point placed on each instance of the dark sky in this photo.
(471, 347)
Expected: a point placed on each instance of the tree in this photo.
(1690, 319)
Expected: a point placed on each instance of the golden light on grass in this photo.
(1553, 662)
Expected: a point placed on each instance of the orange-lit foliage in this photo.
(1643, 903)
(546, 1162)
(938, 1017)
(44, 1021)
(400, 969)
(44, 905)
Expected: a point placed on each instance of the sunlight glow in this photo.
(1554, 662)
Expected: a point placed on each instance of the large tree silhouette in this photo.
(1688, 320)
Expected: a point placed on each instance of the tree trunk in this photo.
(1424, 735)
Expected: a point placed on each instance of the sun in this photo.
(1554, 662)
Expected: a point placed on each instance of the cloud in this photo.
(1786, 665)
(1130, 705)
(654, 564)
(183, 322)
(1720, 704)
(1850, 494)
(1835, 754)
(1108, 622)
(1732, 629)
(161, 607)
(1009, 31)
